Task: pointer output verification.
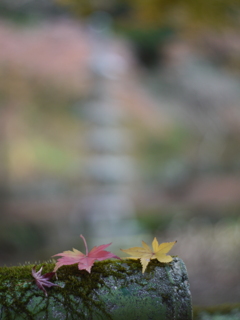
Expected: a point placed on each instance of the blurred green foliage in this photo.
(220, 312)
(148, 14)
(21, 236)
(155, 221)
(155, 13)
(147, 42)
(157, 152)
(39, 129)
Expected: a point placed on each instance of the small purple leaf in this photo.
(42, 280)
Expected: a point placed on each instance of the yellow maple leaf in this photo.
(145, 254)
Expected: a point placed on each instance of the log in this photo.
(114, 290)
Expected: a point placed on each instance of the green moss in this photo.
(17, 287)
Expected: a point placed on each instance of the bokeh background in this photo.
(120, 120)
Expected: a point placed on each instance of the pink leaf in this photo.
(85, 261)
(42, 280)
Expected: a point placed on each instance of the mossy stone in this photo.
(113, 290)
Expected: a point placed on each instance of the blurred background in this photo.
(120, 120)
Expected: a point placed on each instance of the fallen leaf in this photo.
(85, 261)
(42, 280)
(145, 254)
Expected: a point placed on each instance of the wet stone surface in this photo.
(113, 290)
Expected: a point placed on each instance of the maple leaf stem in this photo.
(84, 240)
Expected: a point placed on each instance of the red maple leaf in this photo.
(85, 261)
(42, 280)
